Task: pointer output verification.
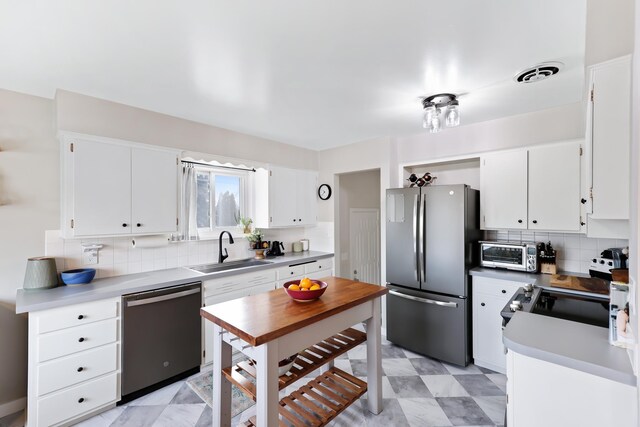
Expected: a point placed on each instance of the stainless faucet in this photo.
(221, 257)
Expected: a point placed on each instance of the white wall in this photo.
(85, 114)
(29, 204)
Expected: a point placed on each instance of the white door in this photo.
(503, 190)
(364, 245)
(154, 191)
(102, 188)
(554, 187)
(283, 192)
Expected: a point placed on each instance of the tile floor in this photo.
(417, 392)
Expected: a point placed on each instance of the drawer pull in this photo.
(80, 317)
(504, 292)
(482, 304)
(80, 369)
(81, 400)
(81, 339)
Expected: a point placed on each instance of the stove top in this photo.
(523, 300)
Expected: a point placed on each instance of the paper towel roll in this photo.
(150, 241)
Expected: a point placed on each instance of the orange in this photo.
(304, 289)
(306, 283)
(294, 288)
(314, 287)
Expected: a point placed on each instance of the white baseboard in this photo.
(12, 407)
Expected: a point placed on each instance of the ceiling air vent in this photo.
(538, 72)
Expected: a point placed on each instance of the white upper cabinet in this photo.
(608, 138)
(154, 191)
(554, 187)
(503, 190)
(284, 197)
(534, 188)
(101, 188)
(113, 187)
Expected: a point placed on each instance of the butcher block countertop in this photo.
(261, 318)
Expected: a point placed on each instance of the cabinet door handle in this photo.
(294, 220)
(504, 292)
(138, 225)
(124, 224)
(535, 221)
(81, 400)
(81, 339)
(80, 317)
(80, 369)
(519, 221)
(482, 304)
(300, 219)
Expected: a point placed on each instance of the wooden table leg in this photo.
(221, 387)
(267, 384)
(374, 359)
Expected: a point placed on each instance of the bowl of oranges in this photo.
(305, 289)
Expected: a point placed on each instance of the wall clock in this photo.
(324, 192)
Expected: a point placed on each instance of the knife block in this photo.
(548, 264)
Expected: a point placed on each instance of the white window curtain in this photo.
(188, 229)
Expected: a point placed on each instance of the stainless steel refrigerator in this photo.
(432, 235)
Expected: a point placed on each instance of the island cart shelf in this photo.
(324, 397)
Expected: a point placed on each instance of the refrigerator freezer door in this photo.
(444, 240)
(402, 229)
(429, 324)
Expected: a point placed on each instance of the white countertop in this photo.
(574, 345)
(35, 300)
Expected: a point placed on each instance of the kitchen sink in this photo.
(231, 265)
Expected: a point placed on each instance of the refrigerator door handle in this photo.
(423, 238)
(416, 214)
(424, 300)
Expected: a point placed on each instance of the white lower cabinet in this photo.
(229, 288)
(312, 269)
(541, 393)
(489, 296)
(74, 362)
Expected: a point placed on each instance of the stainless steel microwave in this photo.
(511, 255)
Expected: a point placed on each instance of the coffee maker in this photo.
(277, 249)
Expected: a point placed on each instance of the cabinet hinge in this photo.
(591, 95)
(71, 223)
(270, 219)
(177, 221)
(507, 398)
(177, 161)
(581, 151)
(270, 173)
(71, 147)
(591, 193)
(203, 353)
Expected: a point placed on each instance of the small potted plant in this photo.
(245, 224)
(255, 238)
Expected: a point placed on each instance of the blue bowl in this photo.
(81, 276)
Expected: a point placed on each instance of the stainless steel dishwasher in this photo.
(161, 338)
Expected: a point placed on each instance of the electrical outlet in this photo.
(89, 257)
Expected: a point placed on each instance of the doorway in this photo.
(357, 226)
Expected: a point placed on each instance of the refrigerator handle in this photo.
(423, 238)
(416, 215)
(424, 300)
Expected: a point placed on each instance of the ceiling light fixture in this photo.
(433, 105)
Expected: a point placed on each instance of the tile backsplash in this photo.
(573, 251)
(118, 257)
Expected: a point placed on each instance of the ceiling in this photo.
(314, 74)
